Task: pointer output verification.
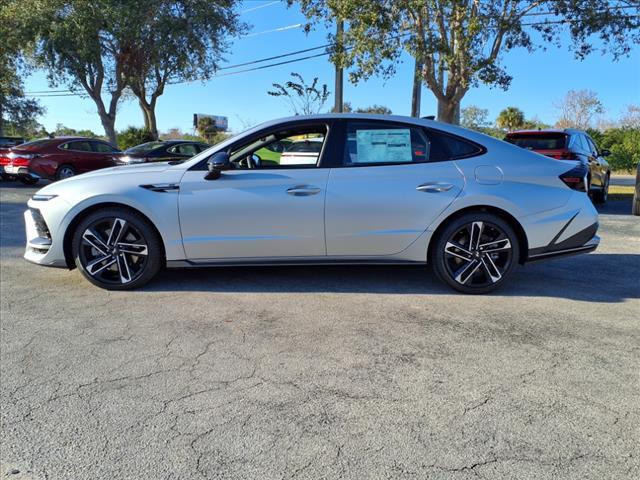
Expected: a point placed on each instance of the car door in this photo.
(387, 192)
(79, 154)
(597, 163)
(104, 154)
(267, 212)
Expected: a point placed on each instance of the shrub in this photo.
(132, 136)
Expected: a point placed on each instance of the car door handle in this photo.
(434, 187)
(303, 190)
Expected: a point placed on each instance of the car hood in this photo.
(113, 178)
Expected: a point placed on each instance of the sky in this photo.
(540, 80)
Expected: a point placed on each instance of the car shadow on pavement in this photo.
(592, 278)
(618, 206)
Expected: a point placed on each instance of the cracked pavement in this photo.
(311, 372)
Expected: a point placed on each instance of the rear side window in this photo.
(447, 147)
(384, 144)
(539, 141)
(77, 146)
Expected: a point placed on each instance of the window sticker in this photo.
(383, 146)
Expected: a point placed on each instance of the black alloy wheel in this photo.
(475, 253)
(117, 249)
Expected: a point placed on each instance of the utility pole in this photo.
(337, 108)
(417, 90)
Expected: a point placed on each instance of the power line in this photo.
(63, 93)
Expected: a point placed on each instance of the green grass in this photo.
(621, 192)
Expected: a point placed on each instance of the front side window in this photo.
(294, 147)
(101, 147)
(188, 149)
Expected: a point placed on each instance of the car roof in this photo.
(547, 130)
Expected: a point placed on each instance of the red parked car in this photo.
(56, 158)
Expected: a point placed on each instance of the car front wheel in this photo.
(475, 253)
(117, 249)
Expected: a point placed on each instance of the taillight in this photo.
(576, 178)
(20, 158)
(564, 156)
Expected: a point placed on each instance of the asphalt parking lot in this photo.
(354, 373)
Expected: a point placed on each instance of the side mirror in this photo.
(216, 164)
(605, 153)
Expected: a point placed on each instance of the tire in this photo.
(635, 208)
(28, 180)
(65, 171)
(601, 196)
(481, 267)
(111, 263)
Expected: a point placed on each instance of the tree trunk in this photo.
(149, 114)
(417, 90)
(109, 125)
(449, 111)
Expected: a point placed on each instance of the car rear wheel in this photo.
(475, 253)
(65, 171)
(117, 249)
(635, 209)
(602, 195)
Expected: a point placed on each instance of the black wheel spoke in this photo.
(478, 254)
(118, 260)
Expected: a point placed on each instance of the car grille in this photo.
(41, 225)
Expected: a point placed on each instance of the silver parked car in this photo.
(384, 190)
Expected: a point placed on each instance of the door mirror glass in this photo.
(216, 164)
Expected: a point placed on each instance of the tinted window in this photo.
(379, 143)
(539, 141)
(43, 142)
(82, 146)
(448, 147)
(103, 147)
(591, 144)
(187, 149)
(145, 147)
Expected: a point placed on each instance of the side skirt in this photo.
(255, 262)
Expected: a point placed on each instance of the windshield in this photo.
(547, 141)
(144, 148)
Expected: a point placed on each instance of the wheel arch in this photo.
(506, 216)
(68, 235)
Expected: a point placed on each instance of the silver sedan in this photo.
(383, 190)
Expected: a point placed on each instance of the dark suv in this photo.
(570, 144)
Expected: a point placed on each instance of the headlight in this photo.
(129, 160)
(42, 198)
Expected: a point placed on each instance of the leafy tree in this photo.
(132, 136)
(207, 130)
(460, 43)
(303, 98)
(578, 108)
(511, 118)
(624, 144)
(61, 130)
(82, 44)
(379, 109)
(175, 41)
(475, 118)
(631, 118)
(17, 113)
